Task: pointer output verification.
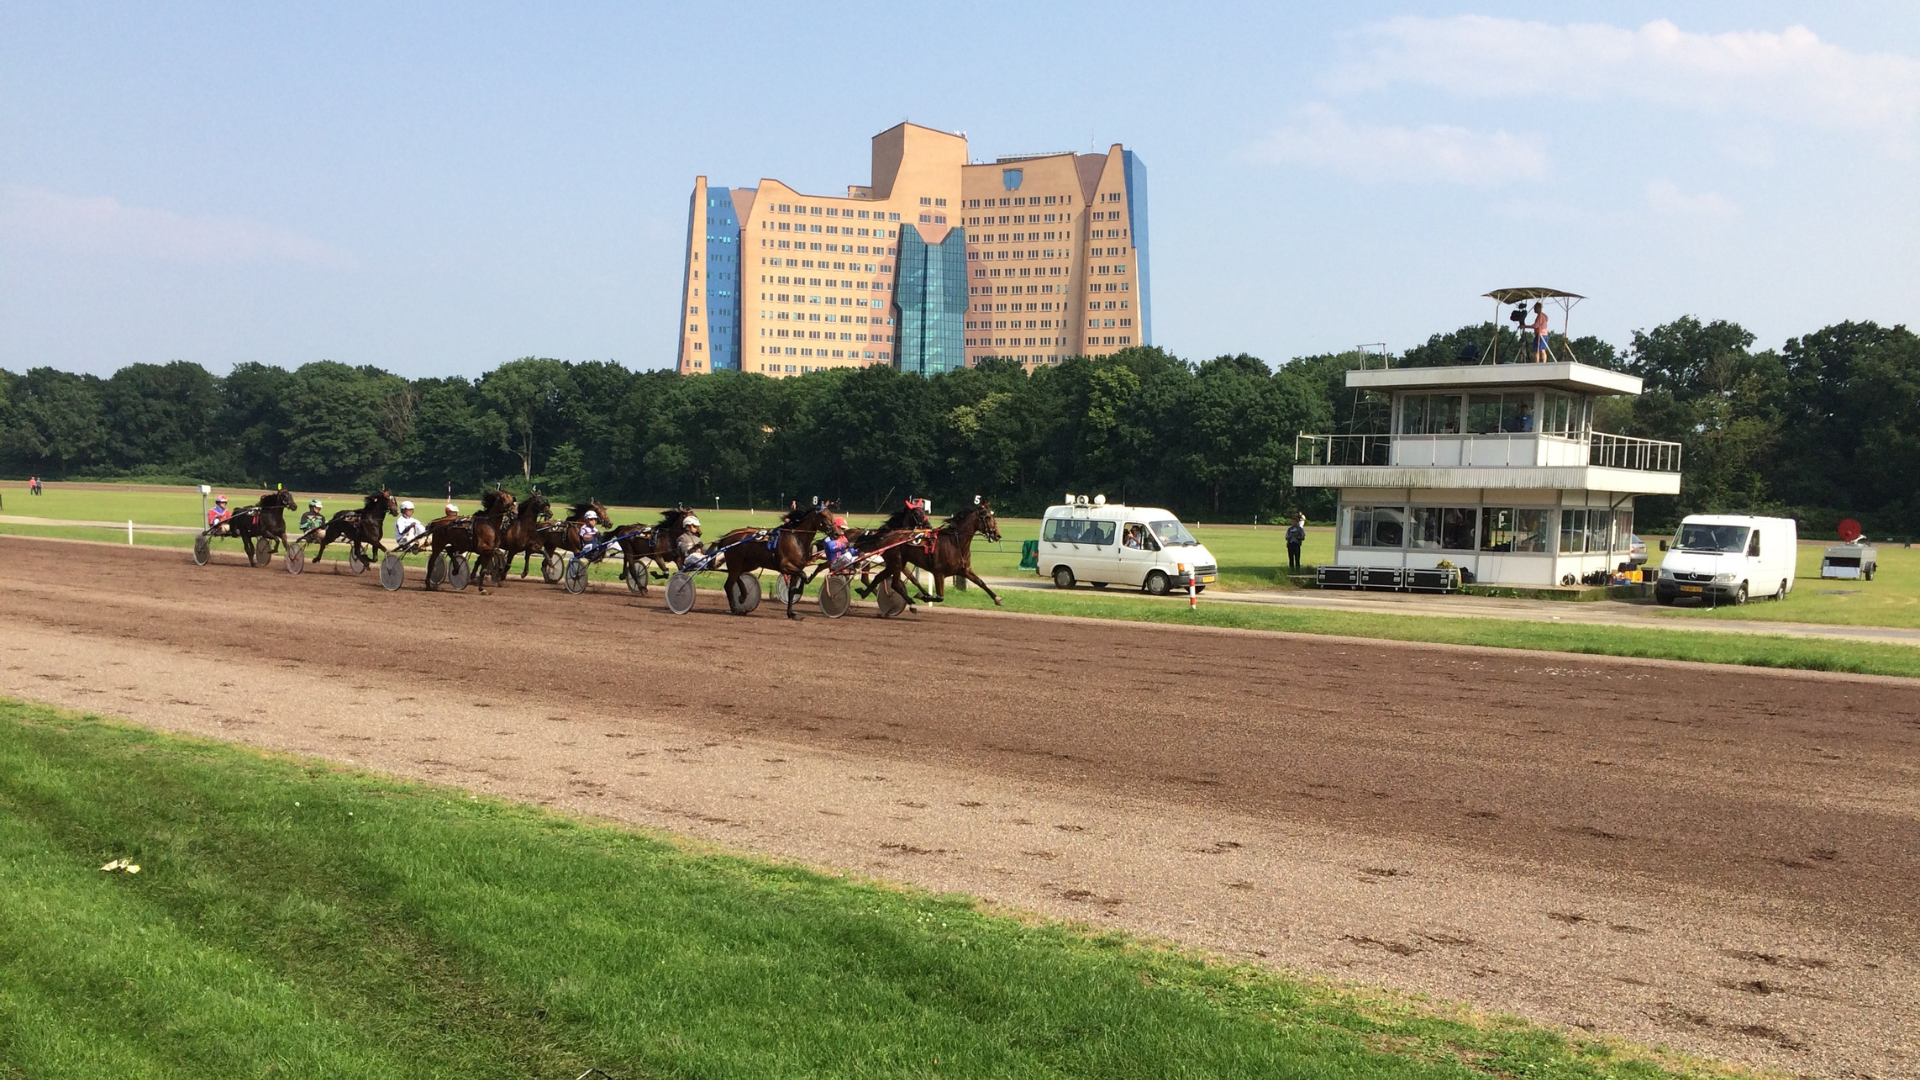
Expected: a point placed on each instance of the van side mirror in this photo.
(1663, 545)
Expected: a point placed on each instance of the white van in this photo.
(1727, 558)
(1105, 544)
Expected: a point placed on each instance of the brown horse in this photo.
(787, 549)
(557, 536)
(947, 552)
(264, 522)
(362, 528)
(666, 544)
(489, 526)
(520, 535)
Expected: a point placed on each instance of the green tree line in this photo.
(1824, 427)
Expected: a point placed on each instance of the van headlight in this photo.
(1725, 579)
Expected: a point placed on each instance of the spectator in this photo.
(1539, 334)
(1296, 535)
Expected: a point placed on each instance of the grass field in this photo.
(294, 919)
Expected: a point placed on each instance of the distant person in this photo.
(1131, 537)
(315, 517)
(218, 516)
(1524, 422)
(33, 485)
(406, 527)
(453, 511)
(1539, 334)
(1296, 535)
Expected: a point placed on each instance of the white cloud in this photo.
(1790, 75)
(1663, 197)
(103, 225)
(1435, 152)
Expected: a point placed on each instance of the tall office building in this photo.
(934, 264)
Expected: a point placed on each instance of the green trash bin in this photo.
(1030, 555)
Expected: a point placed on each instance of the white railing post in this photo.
(129, 532)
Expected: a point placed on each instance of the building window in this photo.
(1010, 179)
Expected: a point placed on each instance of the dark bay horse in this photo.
(520, 532)
(666, 544)
(948, 553)
(564, 535)
(786, 548)
(264, 522)
(489, 525)
(362, 528)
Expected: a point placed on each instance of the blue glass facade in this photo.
(932, 296)
(1136, 173)
(723, 281)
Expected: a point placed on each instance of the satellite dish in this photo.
(1849, 531)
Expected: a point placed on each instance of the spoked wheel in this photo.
(780, 590)
(835, 595)
(202, 549)
(891, 597)
(436, 571)
(393, 572)
(498, 566)
(637, 579)
(296, 560)
(551, 568)
(356, 561)
(576, 576)
(743, 594)
(262, 553)
(680, 593)
(459, 573)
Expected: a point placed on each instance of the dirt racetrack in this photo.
(1715, 859)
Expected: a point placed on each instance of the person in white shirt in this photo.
(406, 527)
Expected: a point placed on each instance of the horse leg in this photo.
(796, 585)
(975, 578)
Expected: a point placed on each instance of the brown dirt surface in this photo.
(1719, 860)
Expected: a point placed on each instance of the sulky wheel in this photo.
(436, 571)
(262, 552)
(636, 575)
(743, 594)
(835, 595)
(575, 580)
(551, 567)
(356, 561)
(780, 590)
(202, 549)
(680, 593)
(459, 574)
(393, 572)
(891, 597)
(296, 560)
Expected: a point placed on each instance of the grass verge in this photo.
(293, 918)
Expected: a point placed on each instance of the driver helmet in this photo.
(452, 509)
(591, 516)
(221, 499)
(690, 521)
(314, 503)
(839, 521)
(406, 505)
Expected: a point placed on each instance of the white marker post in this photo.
(129, 532)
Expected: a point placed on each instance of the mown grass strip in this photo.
(295, 919)
(1711, 647)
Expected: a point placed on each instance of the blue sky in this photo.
(437, 188)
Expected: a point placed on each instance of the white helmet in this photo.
(591, 516)
(406, 505)
(315, 503)
(452, 509)
(690, 521)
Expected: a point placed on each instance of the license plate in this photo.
(1693, 588)
(1206, 579)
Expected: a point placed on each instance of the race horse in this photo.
(668, 543)
(263, 523)
(520, 533)
(489, 526)
(786, 548)
(363, 528)
(564, 535)
(945, 552)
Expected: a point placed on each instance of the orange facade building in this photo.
(936, 263)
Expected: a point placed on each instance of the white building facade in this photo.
(1491, 469)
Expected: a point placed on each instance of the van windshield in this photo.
(1725, 539)
(1172, 533)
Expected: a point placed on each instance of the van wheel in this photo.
(1157, 583)
(1664, 599)
(1062, 577)
(1781, 593)
(1741, 596)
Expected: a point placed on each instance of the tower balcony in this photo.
(1593, 460)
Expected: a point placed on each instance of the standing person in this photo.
(1539, 333)
(1296, 535)
(33, 485)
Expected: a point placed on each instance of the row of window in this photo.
(1105, 253)
(983, 306)
(1003, 324)
(1094, 305)
(1020, 238)
(802, 316)
(1002, 290)
(825, 264)
(1566, 415)
(933, 219)
(782, 279)
(844, 249)
(986, 343)
(834, 211)
(989, 256)
(926, 201)
(828, 335)
(1021, 219)
(1102, 323)
(1021, 200)
(1495, 529)
(1024, 271)
(851, 354)
(834, 230)
(802, 298)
